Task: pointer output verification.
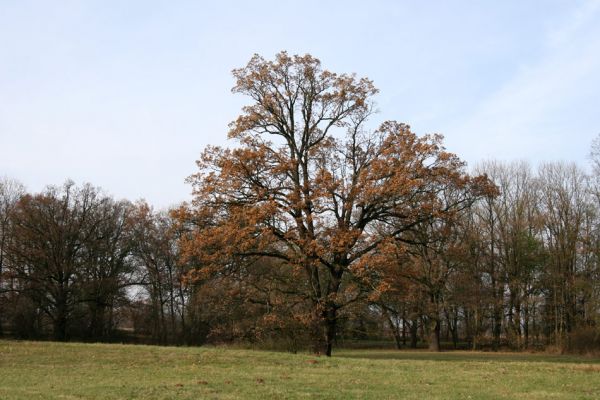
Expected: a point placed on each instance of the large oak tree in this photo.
(311, 185)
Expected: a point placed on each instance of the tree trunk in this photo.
(403, 327)
(330, 329)
(526, 325)
(434, 336)
(455, 331)
(396, 332)
(413, 334)
(497, 326)
(517, 322)
(98, 329)
(476, 330)
(394, 327)
(60, 326)
(61, 317)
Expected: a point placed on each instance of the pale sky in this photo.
(126, 94)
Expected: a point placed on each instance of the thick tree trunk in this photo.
(60, 319)
(98, 328)
(60, 327)
(330, 329)
(324, 329)
(434, 336)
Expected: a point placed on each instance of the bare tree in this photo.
(10, 193)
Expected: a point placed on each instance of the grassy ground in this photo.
(45, 370)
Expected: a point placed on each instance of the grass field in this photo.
(46, 370)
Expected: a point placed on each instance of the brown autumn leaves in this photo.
(313, 189)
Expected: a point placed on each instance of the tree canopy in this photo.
(311, 185)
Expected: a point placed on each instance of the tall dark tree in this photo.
(54, 228)
(107, 266)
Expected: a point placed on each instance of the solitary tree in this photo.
(311, 186)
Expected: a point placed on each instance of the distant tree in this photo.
(520, 248)
(564, 202)
(51, 258)
(160, 273)
(10, 192)
(311, 186)
(106, 268)
(430, 254)
(511, 249)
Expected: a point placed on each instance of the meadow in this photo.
(50, 370)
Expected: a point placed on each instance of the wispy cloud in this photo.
(528, 110)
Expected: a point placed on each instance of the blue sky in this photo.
(125, 94)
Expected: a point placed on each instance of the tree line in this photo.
(315, 229)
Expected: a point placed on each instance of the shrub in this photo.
(584, 340)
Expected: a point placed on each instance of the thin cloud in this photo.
(524, 110)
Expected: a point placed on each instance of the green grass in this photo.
(46, 370)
